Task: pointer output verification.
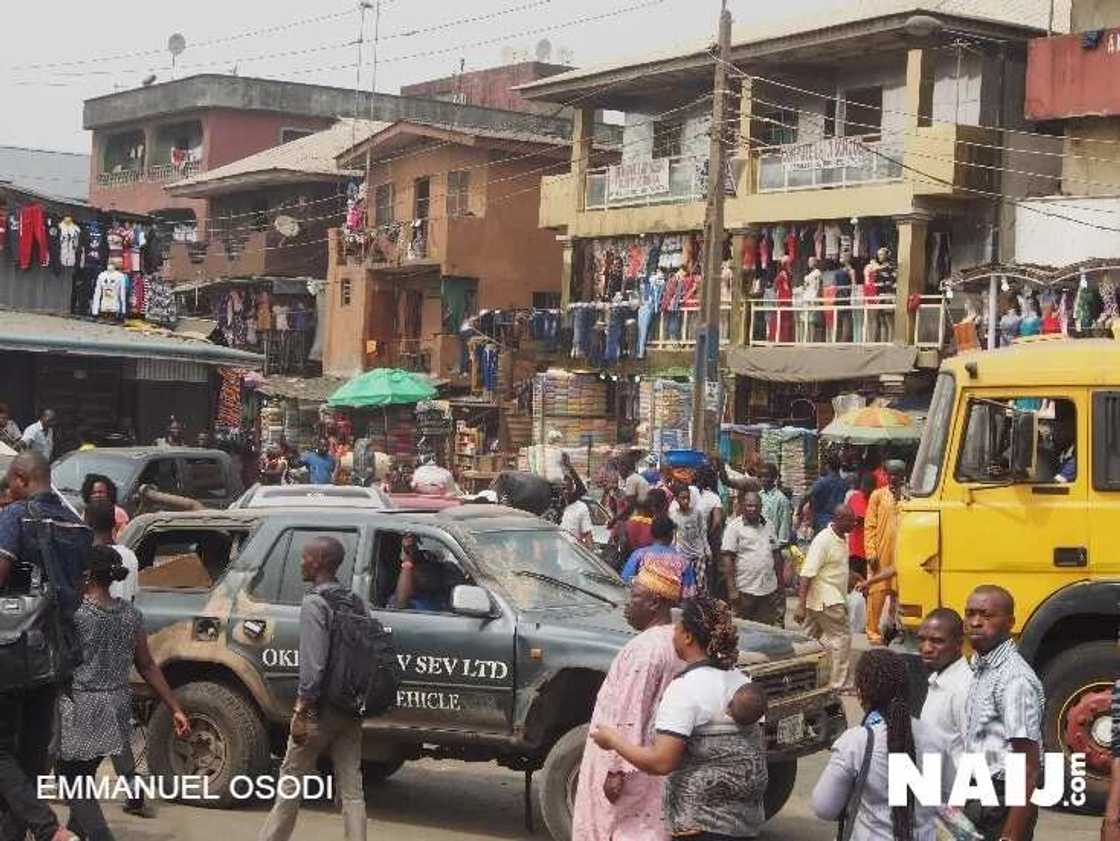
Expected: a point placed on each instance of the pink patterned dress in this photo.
(628, 701)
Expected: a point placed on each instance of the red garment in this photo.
(1051, 324)
(32, 231)
(858, 503)
(783, 291)
(829, 295)
(750, 251)
(791, 246)
(764, 246)
(639, 532)
(635, 261)
(690, 291)
(669, 293)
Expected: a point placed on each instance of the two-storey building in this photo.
(881, 127)
(452, 231)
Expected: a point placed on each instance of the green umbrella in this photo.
(382, 387)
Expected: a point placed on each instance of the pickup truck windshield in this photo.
(577, 576)
(69, 473)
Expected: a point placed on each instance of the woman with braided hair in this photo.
(884, 692)
(708, 733)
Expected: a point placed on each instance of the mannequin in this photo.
(810, 293)
(879, 280)
(110, 292)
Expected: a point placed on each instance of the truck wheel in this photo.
(1078, 690)
(779, 786)
(375, 773)
(560, 779)
(227, 738)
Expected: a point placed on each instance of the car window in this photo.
(163, 473)
(187, 558)
(1106, 441)
(995, 436)
(280, 580)
(440, 573)
(69, 473)
(205, 478)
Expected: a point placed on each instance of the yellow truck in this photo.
(1017, 483)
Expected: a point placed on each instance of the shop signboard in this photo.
(638, 179)
(828, 153)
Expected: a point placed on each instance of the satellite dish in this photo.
(176, 44)
(286, 226)
(544, 50)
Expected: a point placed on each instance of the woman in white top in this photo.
(884, 692)
(709, 737)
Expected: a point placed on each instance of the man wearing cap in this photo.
(664, 532)
(614, 799)
(880, 531)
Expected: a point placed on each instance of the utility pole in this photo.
(706, 362)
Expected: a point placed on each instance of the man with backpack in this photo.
(44, 551)
(347, 668)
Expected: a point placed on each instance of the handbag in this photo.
(848, 816)
(39, 642)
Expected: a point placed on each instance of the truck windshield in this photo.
(563, 573)
(69, 473)
(931, 452)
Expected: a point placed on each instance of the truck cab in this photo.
(1017, 483)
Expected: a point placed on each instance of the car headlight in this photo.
(824, 669)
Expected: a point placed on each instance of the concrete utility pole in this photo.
(706, 362)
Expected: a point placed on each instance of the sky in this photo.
(71, 50)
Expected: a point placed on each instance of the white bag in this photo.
(857, 612)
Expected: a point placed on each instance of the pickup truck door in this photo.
(265, 629)
(458, 670)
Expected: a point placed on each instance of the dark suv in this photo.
(508, 672)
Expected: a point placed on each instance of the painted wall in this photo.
(1043, 238)
(491, 88)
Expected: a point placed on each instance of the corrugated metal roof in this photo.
(59, 175)
(313, 389)
(311, 155)
(757, 27)
(38, 333)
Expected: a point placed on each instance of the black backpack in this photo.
(363, 673)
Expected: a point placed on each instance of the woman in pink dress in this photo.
(783, 291)
(615, 801)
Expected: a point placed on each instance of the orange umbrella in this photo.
(873, 425)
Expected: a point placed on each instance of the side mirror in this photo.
(1024, 439)
(467, 600)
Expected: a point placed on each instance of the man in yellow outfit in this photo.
(880, 532)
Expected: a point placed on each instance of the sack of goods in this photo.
(524, 491)
(363, 673)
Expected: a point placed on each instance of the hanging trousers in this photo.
(33, 232)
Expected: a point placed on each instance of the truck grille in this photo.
(780, 683)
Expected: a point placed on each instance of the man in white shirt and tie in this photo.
(940, 640)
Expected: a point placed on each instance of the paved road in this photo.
(452, 801)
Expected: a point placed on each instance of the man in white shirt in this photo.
(750, 564)
(576, 517)
(40, 435)
(941, 638)
(822, 597)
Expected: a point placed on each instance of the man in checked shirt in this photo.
(1004, 713)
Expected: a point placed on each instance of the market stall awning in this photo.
(820, 363)
(37, 333)
(382, 387)
(312, 389)
(873, 425)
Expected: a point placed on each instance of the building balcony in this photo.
(828, 163)
(1064, 79)
(259, 253)
(824, 322)
(646, 182)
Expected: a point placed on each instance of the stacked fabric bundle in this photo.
(666, 413)
(794, 451)
(562, 393)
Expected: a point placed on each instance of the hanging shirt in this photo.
(109, 293)
(832, 241)
(69, 235)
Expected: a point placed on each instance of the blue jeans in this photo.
(673, 325)
(582, 321)
(614, 334)
(645, 319)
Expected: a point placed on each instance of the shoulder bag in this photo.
(848, 816)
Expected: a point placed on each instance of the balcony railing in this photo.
(678, 329)
(660, 181)
(826, 322)
(833, 162)
(154, 174)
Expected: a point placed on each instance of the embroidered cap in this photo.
(661, 574)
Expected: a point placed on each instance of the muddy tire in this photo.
(227, 738)
(1077, 686)
(780, 777)
(559, 778)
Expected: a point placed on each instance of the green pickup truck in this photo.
(508, 674)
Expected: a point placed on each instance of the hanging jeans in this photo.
(645, 319)
(616, 322)
(32, 233)
(673, 325)
(583, 320)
